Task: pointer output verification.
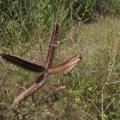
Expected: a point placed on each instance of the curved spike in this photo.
(66, 66)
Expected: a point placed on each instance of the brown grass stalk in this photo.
(45, 70)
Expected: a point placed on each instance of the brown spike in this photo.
(52, 46)
(23, 63)
(31, 90)
(65, 66)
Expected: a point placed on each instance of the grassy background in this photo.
(91, 88)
